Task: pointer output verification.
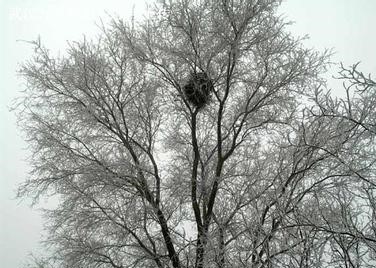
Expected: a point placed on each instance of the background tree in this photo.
(271, 172)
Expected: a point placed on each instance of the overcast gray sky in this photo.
(347, 26)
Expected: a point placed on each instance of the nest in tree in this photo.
(198, 88)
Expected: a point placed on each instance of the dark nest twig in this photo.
(198, 88)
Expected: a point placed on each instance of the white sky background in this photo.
(347, 26)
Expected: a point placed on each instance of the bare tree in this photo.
(268, 171)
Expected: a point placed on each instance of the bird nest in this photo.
(198, 88)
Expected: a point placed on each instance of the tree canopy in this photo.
(271, 171)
